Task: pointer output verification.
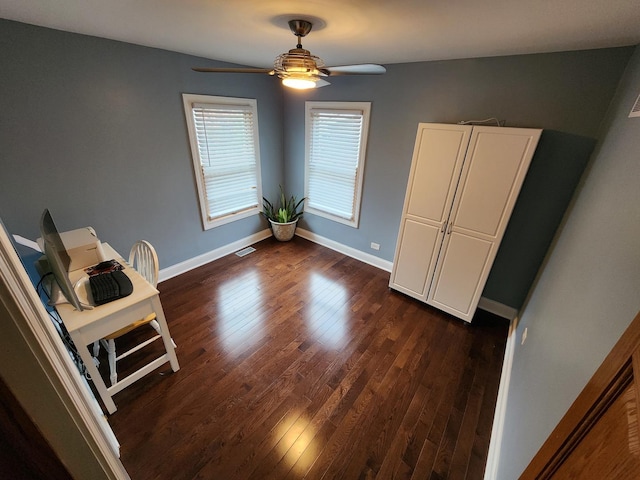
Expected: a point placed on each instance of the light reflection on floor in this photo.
(326, 318)
(295, 440)
(240, 321)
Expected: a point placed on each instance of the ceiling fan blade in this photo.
(233, 70)
(321, 83)
(364, 69)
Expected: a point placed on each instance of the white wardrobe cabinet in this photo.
(463, 184)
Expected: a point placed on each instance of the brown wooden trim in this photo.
(608, 382)
(635, 359)
(574, 438)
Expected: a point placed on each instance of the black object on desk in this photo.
(109, 286)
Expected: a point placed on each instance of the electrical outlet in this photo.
(375, 246)
(524, 336)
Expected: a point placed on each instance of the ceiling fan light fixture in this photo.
(302, 82)
(298, 69)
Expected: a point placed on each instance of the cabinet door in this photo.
(494, 169)
(415, 250)
(437, 162)
(458, 278)
(497, 162)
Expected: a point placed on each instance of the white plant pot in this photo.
(283, 231)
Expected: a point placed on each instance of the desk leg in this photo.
(166, 336)
(93, 371)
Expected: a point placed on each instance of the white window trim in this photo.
(365, 108)
(188, 101)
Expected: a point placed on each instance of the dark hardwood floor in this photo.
(299, 362)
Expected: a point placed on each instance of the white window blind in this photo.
(225, 141)
(336, 141)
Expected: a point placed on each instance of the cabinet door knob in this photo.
(444, 226)
(449, 230)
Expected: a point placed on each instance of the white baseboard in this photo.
(497, 308)
(344, 249)
(493, 457)
(183, 267)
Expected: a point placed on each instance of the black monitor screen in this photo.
(58, 258)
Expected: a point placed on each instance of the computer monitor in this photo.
(58, 258)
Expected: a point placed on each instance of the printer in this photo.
(83, 247)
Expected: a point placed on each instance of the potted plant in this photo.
(283, 216)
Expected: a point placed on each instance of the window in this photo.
(336, 139)
(225, 150)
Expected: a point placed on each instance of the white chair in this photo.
(144, 260)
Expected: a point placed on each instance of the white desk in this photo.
(87, 326)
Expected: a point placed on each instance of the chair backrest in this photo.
(144, 259)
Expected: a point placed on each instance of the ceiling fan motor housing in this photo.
(298, 61)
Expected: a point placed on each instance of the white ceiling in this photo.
(253, 32)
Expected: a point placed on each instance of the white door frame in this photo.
(28, 319)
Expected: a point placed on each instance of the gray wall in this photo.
(94, 130)
(586, 294)
(565, 93)
(555, 171)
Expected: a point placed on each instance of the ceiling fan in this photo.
(298, 68)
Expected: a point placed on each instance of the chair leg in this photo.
(111, 351)
(156, 327)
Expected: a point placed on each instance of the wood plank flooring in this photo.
(299, 362)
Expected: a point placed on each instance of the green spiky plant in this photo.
(284, 211)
